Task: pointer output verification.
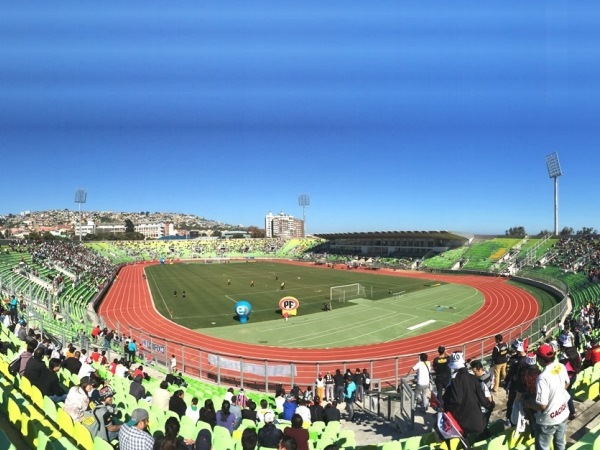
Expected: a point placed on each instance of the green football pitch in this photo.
(415, 306)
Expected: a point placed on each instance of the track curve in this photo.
(129, 304)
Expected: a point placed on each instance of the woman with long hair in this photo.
(77, 400)
(225, 418)
(208, 413)
(169, 441)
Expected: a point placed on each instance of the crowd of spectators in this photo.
(578, 254)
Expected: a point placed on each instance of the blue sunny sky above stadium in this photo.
(391, 115)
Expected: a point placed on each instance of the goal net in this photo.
(346, 292)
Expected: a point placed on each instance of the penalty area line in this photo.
(422, 324)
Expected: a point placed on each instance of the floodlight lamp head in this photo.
(80, 196)
(553, 165)
(303, 200)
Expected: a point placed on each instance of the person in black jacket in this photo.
(35, 368)
(316, 411)
(464, 398)
(50, 384)
(499, 360)
(208, 413)
(331, 413)
(177, 403)
(269, 435)
(136, 388)
(73, 364)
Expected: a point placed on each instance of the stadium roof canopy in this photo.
(446, 235)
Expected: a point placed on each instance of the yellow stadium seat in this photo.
(83, 437)
(65, 422)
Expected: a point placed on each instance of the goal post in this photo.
(346, 292)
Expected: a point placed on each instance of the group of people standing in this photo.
(536, 383)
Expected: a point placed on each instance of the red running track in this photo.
(129, 304)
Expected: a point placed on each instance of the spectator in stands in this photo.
(105, 413)
(229, 394)
(236, 411)
(77, 399)
(192, 411)
(224, 417)
(170, 440)
(289, 407)
(73, 363)
(133, 435)
(320, 386)
(50, 384)
(242, 399)
(331, 413)
(95, 355)
(264, 408)
(36, 367)
(250, 412)
(287, 443)
(526, 387)
(269, 435)
(350, 396)
(484, 379)
(208, 414)
(299, 433)
(592, 355)
(249, 439)
(338, 380)
(31, 345)
(177, 403)
(499, 360)
(515, 363)
(303, 411)
(308, 395)
(204, 440)
(279, 399)
(442, 371)
(161, 396)
(464, 398)
(421, 369)
(316, 411)
(137, 389)
(551, 401)
(359, 381)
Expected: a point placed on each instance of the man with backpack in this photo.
(105, 413)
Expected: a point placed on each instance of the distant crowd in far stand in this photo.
(578, 254)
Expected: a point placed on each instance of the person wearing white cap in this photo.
(133, 435)
(269, 435)
(526, 386)
(465, 398)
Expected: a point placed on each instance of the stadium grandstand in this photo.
(51, 292)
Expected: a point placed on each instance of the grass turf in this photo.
(210, 300)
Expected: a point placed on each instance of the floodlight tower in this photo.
(304, 201)
(80, 197)
(554, 171)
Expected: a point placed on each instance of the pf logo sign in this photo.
(289, 306)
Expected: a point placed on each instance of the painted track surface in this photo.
(129, 304)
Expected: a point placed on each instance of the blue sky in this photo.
(390, 115)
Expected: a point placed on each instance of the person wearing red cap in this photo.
(550, 401)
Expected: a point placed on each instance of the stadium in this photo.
(149, 291)
(404, 314)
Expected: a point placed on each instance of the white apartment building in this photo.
(283, 225)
